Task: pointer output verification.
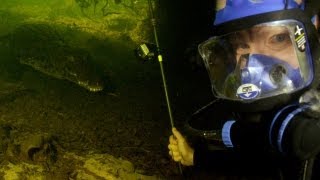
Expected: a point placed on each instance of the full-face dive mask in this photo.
(256, 57)
(263, 57)
(263, 61)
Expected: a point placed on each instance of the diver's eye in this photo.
(280, 38)
(279, 41)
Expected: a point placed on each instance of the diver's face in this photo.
(267, 40)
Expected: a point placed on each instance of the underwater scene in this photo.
(78, 100)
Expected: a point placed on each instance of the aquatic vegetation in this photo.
(83, 3)
(8, 21)
(117, 1)
(106, 7)
(95, 2)
(103, 18)
(130, 6)
(4, 17)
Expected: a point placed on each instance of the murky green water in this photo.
(70, 83)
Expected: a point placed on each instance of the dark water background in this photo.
(185, 25)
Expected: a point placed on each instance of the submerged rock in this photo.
(33, 148)
(39, 148)
(11, 171)
(92, 166)
(105, 166)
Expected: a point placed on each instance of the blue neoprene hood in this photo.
(236, 9)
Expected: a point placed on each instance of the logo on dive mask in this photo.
(266, 76)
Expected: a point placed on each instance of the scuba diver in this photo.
(263, 63)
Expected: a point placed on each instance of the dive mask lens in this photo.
(262, 61)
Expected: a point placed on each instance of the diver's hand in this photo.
(179, 149)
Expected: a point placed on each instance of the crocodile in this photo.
(44, 48)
